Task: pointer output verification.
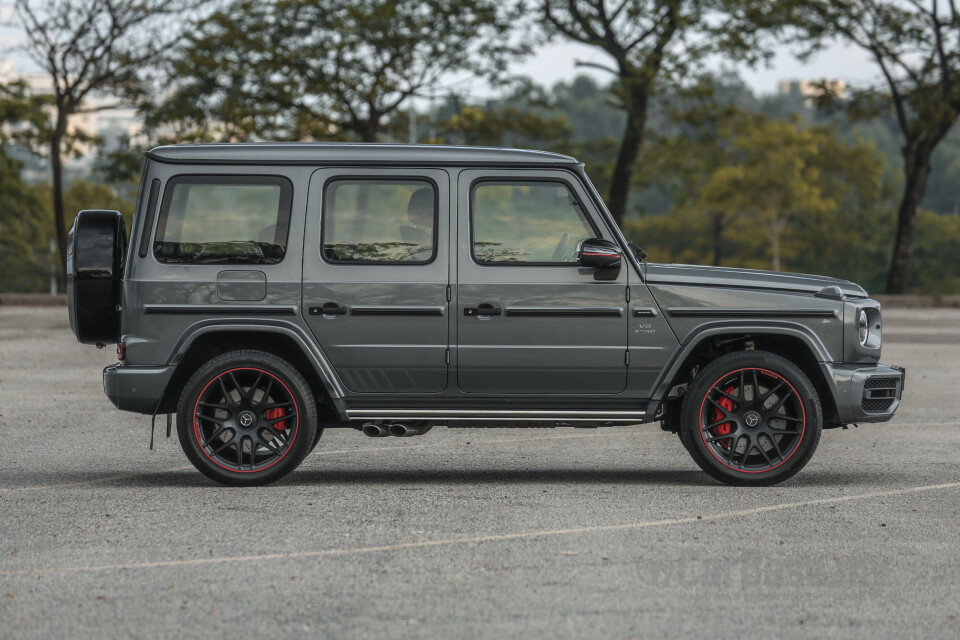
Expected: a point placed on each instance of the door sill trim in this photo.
(507, 414)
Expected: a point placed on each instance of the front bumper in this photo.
(865, 393)
(136, 389)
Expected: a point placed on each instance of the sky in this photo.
(555, 62)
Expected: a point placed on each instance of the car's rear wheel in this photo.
(751, 418)
(247, 418)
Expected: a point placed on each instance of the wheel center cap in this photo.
(246, 419)
(751, 419)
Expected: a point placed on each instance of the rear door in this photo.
(530, 320)
(375, 276)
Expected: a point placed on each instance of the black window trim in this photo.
(147, 222)
(377, 178)
(524, 180)
(285, 205)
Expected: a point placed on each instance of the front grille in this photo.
(880, 383)
(879, 394)
(877, 405)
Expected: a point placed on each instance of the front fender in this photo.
(710, 330)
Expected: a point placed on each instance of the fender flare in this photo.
(711, 329)
(310, 349)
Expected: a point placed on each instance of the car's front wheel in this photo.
(247, 418)
(751, 418)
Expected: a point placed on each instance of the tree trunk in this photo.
(627, 158)
(775, 225)
(717, 218)
(56, 167)
(369, 129)
(775, 250)
(916, 169)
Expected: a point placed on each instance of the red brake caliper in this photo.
(725, 428)
(272, 414)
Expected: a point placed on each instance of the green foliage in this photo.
(758, 192)
(936, 267)
(24, 263)
(327, 69)
(916, 47)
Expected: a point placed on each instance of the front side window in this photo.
(224, 220)
(536, 222)
(374, 221)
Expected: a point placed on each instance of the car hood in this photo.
(746, 278)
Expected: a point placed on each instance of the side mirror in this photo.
(600, 253)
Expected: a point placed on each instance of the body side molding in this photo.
(221, 309)
(707, 312)
(396, 311)
(565, 311)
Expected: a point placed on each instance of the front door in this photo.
(375, 276)
(530, 320)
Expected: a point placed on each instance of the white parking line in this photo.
(480, 539)
(127, 476)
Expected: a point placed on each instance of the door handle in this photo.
(483, 309)
(328, 309)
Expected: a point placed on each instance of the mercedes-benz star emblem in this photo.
(752, 419)
(246, 419)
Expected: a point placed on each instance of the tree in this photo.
(916, 45)
(23, 234)
(775, 172)
(322, 69)
(681, 162)
(87, 46)
(649, 41)
(523, 117)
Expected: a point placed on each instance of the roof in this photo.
(351, 153)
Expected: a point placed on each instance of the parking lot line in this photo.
(502, 537)
(140, 474)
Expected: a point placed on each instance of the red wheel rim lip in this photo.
(803, 411)
(196, 426)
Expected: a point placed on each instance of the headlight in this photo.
(863, 328)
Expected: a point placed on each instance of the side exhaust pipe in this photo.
(375, 430)
(406, 430)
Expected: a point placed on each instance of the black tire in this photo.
(761, 440)
(316, 438)
(247, 418)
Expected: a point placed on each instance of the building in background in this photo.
(105, 117)
(812, 89)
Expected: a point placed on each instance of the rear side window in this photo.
(527, 223)
(379, 221)
(224, 220)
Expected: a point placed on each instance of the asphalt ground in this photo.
(609, 533)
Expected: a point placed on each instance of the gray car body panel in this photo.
(747, 279)
(566, 346)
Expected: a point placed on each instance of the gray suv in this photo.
(271, 291)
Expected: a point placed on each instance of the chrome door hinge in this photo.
(449, 293)
(628, 294)
(447, 357)
(626, 359)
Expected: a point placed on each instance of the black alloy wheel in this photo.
(247, 418)
(751, 418)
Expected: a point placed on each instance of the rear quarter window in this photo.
(224, 220)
